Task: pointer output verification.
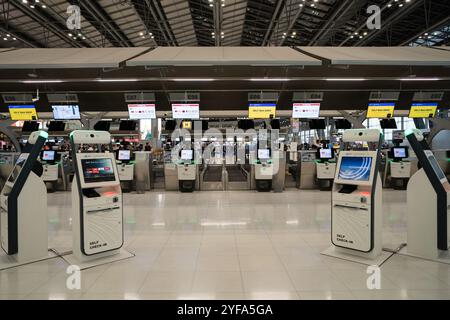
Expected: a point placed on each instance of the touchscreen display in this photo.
(355, 168)
(400, 153)
(48, 155)
(326, 154)
(263, 154)
(124, 155)
(97, 170)
(186, 155)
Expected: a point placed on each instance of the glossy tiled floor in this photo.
(229, 245)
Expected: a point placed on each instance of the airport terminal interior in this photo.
(225, 150)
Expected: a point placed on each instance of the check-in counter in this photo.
(306, 169)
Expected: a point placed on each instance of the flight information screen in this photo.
(66, 112)
(355, 168)
(97, 170)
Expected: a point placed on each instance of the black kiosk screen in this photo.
(97, 170)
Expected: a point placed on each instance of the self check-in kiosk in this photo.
(187, 171)
(125, 167)
(97, 206)
(325, 168)
(399, 168)
(428, 198)
(356, 208)
(23, 201)
(263, 171)
(50, 168)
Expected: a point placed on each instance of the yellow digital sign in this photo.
(187, 125)
(262, 111)
(381, 110)
(423, 110)
(23, 113)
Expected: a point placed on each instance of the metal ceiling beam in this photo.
(397, 16)
(162, 20)
(428, 30)
(45, 21)
(273, 21)
(217, 14)
(22, 37)
(292, 24)
(102, 19)
(342, 10)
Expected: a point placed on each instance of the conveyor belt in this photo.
(213, 174)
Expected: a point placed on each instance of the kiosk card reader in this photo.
(325, 169)
(97, 208)
(264, 171)
(356, 200)
(187, 171)
(23, 201)
(428, 198)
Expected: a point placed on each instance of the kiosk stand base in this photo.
(7, 262)
(441, 256)
(122, 254)
(343, 254)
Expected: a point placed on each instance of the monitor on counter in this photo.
(187, 155)
(124, 155)
(325, 154)
(66, 112)
(400, 152)
(48, 155)
(263, 154)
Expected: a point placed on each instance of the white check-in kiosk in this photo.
(50, 168)
(325, 168)
(23, 212)
(264, 171)
(97, 207)
(125, 167)
(400, 169)
(187, 171)
(356, 200)
(428, 198)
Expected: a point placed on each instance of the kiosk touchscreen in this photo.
(428, 199)
(263, 154)
(48, 156)
(96, 199)
(23, 200)
(124, 156)
(325, 154)
(400, 153)
(187, 155)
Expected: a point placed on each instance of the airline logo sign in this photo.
(23, 112)
(381, 110)
(262, 111)
(423, 110)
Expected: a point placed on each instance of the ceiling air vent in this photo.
(263, 96)
(308, 96)
(384, 96)
(17, 97)
(428, 96)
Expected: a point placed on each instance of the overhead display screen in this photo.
(185, 111)
(355, 168)
(71, 112)
(306, 110)
(141, 111)
(23, 112)
(97, 170)
(423, 110)
(262, 110)
(381, 110)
